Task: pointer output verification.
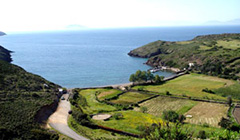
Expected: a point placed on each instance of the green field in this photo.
(233, 44)
(93, 106)
(157, 105)
(108, 94)
(95, 133)
(191, 85)
(130, 98)
(131, 121)
(232, 90)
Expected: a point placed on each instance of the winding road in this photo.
(58, 120)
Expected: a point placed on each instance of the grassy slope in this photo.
(191, 85)
(94, 133)
(108, 94)
(93, 106)
(131, 121)
(211, 54)
(130, 98)
(21, 95)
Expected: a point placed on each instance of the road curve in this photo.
(58, 120)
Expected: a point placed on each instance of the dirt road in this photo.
(58, 120)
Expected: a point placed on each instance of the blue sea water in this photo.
(93, 57)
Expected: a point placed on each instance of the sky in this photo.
(43, 15)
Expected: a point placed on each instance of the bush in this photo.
(143, 109)
(118, 116)
(235, 127)
(171, 116)
(225, 123)
(166, 132)
(168, 93)
(208, 91)
(202, 134)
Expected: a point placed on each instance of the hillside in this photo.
(217, 55)
(5, 54)
(22, 97)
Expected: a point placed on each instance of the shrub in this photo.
(208, 91)
(168, 93)
(166, 132)
(229, 100)
(118, 116)
(143, 109)
(202, 134)
(171, 116)
(225, 123)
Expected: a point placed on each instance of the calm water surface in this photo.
(93, 57)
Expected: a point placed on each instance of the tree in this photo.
(225, 123)
(144, 76)
(138, 75)
(171, 116)
(150, 76)
(229, 100)
(132, 78)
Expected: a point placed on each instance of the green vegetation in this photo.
(141, 76)
(5, 54)
(131, 121)
(130, 98)
(108, 94)
(94, 133)
(232, 90)
(211, 54)
(22, 95)
(173, 116)
(93, 106)
(136, 122)
(191, 85)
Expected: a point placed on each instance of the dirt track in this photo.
(58, 120)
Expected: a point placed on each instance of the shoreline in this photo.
(127, 84)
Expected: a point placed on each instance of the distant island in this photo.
(2, 33)
(216, 55)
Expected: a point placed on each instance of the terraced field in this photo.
(107, 94)
(130, 98)
(209, 113)
(157, 105)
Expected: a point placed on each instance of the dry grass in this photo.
(209, 113)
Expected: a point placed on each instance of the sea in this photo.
(94, 57)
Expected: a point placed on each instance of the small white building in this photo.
(60, 90)
(191, 65)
